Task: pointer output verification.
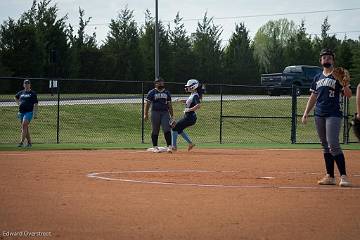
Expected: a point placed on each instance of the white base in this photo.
(160, 149)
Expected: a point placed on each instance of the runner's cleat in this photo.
(191, 146)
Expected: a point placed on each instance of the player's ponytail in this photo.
(200, 90)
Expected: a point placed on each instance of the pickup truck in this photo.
(299, 75)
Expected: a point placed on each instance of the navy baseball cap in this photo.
(27, 81)
(159, 79)
(327, 51)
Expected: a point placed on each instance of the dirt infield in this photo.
(205, 194)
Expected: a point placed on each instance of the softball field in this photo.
(205, 194)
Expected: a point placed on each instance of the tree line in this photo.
(42, 44)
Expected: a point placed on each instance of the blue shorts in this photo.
(25, 116)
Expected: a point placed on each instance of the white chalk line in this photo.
(96, 175)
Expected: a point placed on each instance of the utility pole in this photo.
(157, 72)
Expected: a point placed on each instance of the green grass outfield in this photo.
(119, 124)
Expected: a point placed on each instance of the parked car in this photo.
(299, 75)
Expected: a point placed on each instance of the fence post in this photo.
(221, 113)
(58, 114)
(142, 112)
(346, 120)
(293, 113)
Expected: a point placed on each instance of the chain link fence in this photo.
(304, 135)
(249, 115)
(110, 111)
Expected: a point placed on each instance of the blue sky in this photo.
(102, 11)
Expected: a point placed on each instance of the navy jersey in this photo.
(328, 91)
(27, 100)
(192, 101)
(159, 99)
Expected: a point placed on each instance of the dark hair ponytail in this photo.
(200, 90)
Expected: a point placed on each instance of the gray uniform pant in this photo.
(160, 118)
(328, 129)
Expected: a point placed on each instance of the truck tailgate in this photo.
(273, 79)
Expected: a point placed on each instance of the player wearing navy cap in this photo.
(325, 95)
(161, 110)
(192, 104)
(28, 106)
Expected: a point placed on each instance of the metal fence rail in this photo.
(110, 111)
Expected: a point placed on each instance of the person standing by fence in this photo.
(28, 108)
(161, 111)
(325, 93)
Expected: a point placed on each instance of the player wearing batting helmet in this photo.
(325, 96)
(161, 110)
(192, 104)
